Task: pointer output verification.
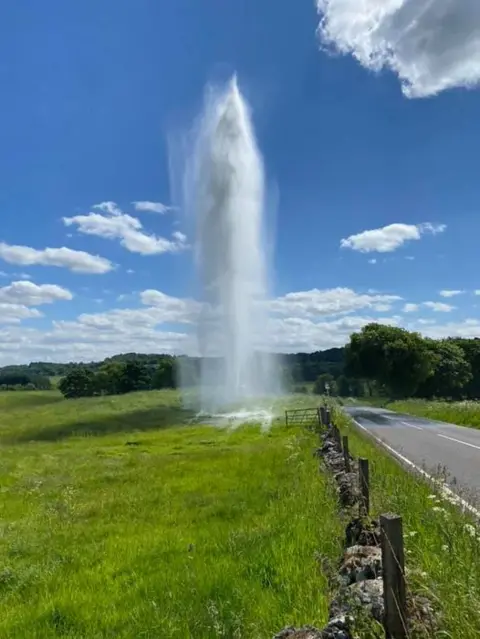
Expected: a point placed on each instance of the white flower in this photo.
(432, 497)
(439, 509)
(471, 530)
(445, 547)
(412, 533)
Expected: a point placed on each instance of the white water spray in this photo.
(226, 196)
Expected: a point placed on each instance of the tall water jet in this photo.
(226, 196)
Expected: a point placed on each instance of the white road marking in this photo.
(448, 494)
(412, 425)
(459, 441)
(395, 419)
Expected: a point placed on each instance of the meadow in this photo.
(122, 517)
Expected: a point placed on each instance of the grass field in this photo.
(442, 544)
(119, 518)
(462, 413)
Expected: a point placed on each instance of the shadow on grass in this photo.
(159, 418)
(21, 399)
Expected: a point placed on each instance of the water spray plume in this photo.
(226, 196)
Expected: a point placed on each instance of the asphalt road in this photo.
(428, 444)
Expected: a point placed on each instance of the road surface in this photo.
(426, 443)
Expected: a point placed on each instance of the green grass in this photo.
(119, 518)
(462, 413)
(441, 543)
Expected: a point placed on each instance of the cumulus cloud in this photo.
(113, 224)
(330, 302)
(30, 294)
(439, 307)
(389, 238)
(76, 261)
(15, 313)
(300, 321)
(450, 293)
(410, 308)
(431, 45)
(151, 207)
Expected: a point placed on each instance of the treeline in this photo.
(116, 377)
(401, 363)
(23, 381)
(299, 367)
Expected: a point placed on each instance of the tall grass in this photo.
(442, 544)
(119, 518)
(465, 413)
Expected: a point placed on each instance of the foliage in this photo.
(131, 533)
(78, 383)
(451, 371)
(18, 381)
(325, 385)
(117, 378)
(393, 357)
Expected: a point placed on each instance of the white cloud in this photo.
(477, 292)
(439, 307)
(389, 238)
(410, 308)
(329, 302)
(151, 207)
(431, 45)
(76, 261)
(450, 293)
(108, 207)
(372, 261)
(30, 294)
(300, 321)
(468, 328)
(113, 224)
(15, 313)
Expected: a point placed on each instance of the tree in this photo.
(80, 382)
(324, 385)
(471, 351)
(452, 372)
(164, 375)
(133, 377)
(390, 356)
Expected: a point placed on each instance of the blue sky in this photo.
(379, 130)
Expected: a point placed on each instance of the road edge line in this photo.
(446, 492)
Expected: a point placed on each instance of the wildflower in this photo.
(445, 547)
(432, 497)
(439, 509)
(412, 533)
(471, 530)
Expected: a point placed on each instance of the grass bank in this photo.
(441, 543)
(120, 519)
(465, 413)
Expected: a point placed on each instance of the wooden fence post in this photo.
(286, 418)
(338, 437)
(393, 562)
(346, 453)
(364, 481)
(323, 417)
